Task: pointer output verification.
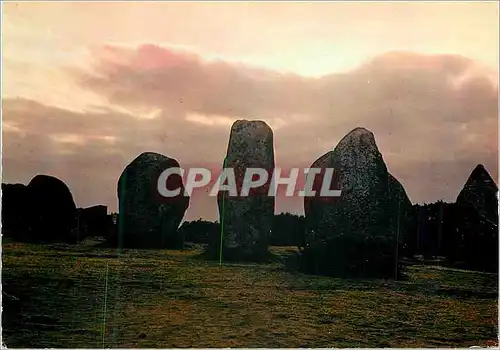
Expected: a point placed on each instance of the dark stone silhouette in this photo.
(477, 220)
(51, 209)
(146, 219)
(361, 231)
(480, 193)
(247, 220)
(15, 200)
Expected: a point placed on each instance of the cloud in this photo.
(154, 76)
(434, 118)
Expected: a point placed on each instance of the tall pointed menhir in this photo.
(360, 230)
(477, 221)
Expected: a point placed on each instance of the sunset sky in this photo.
(89, 86)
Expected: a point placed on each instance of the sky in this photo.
(87, 87)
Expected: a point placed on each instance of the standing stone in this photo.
(247, 221)
(477, 220)
(146, 219)
(480, 193)
(363, 222)
(52, 210)
(361, 175)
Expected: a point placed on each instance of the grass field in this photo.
(169, 299)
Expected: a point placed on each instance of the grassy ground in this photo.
(173, 299)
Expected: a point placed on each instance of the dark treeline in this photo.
(461, 234)
(288, 230)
